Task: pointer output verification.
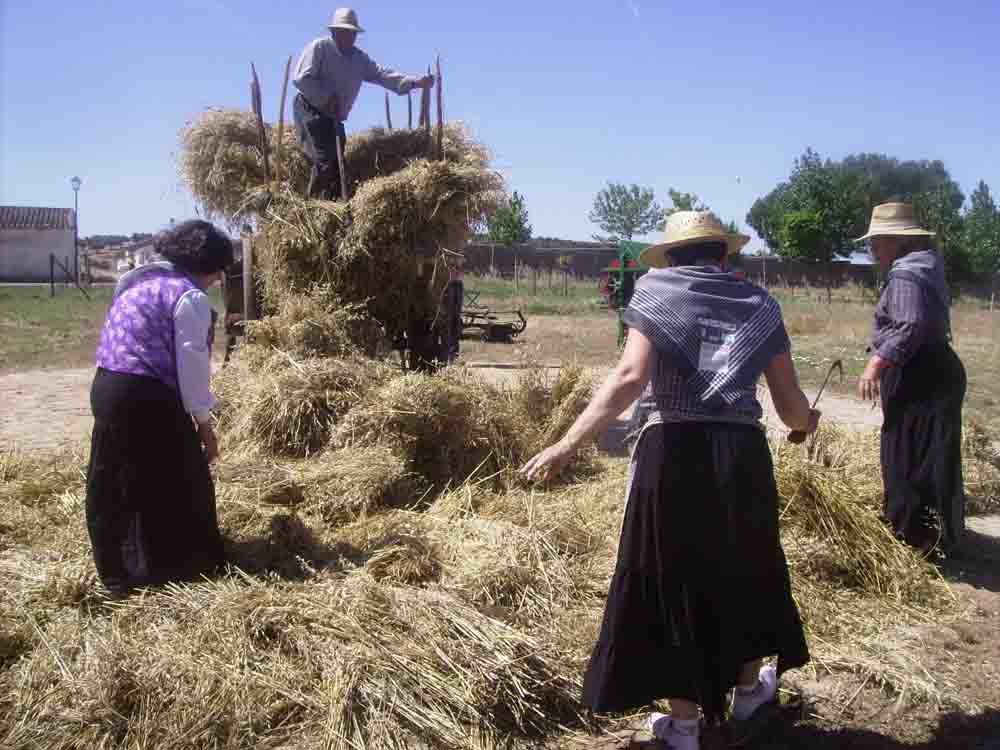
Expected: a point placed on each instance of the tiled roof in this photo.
(32, 217)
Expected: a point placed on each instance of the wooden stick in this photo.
(249, 299)
(427, 106)
(281, 126)
(440, 111)
(340, 145)
(409, 111)
(388, 115)
(423, 108)
(261, 132)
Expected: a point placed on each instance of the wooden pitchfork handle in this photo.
(799, 436)
(339, 141)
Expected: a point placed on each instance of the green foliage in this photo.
(936, 210)
(802, 235)
(684, 202)
(626, 210)
(843, 193)
(509, 225)
(982, 231)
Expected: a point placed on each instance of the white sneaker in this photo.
(745, 704)
(678, 737)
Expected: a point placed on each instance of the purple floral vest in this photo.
(138, 334)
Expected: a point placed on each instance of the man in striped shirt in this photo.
(329, 76)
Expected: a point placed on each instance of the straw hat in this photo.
(894, 219)
(345, 18)
(690, 228)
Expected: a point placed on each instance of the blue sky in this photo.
(712, 97)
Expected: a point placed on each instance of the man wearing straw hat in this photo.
(921, 382)
(329, 76)
(701, 590)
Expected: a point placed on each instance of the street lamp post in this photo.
(75, 184)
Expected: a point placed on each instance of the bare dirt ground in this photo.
(47, 409)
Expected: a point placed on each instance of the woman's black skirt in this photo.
(150, 497)
(701, 585)
(921, 446)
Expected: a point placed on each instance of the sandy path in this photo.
(44, 409)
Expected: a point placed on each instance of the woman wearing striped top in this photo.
(921, 382)
(701, 591)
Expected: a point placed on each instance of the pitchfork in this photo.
(799, 436)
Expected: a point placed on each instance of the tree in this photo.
(684, 202)
(938, 211)
(854, 185)
(982, 231)
(626, 210)
(802, 235)
(509, 224)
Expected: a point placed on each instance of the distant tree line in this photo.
(817, 213)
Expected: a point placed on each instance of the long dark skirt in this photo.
(921, 446)
(150, 497)
(701, 586)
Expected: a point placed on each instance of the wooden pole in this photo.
(515, 275)
(566, 283)
(249, 299)
(409, 111)
(534, 281)
(52, 275)
(255, 102)
(388, 114)
(281, 125)
(440, 110)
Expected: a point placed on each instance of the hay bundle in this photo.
(317, 323)
(396, 547)
(222, 164)
(360, 481)
(981, 468)
(284, 407)
(367, 250)
(432, 421)
(243, 663)
(832, 496)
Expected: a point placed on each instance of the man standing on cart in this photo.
(329, 76)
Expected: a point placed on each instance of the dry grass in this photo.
(380, 616)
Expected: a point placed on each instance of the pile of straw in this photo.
(222, 165)
(403, 207)
(277, 405)
(373, 613)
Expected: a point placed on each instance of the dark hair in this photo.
(698, 254)
(195, 246)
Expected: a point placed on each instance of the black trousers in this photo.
(151, 510)
(318, 135)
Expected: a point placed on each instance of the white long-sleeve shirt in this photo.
(192, 326)
(330, 79)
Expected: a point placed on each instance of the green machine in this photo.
(621, 277)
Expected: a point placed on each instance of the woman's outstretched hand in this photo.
(547, 464)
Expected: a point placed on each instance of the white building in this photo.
(28, 236)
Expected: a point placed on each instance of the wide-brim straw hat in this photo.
(894, 220)
(685, 228)
(345, 18)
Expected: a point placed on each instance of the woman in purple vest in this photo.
(150, 497)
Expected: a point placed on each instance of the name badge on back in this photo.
(716, 344)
